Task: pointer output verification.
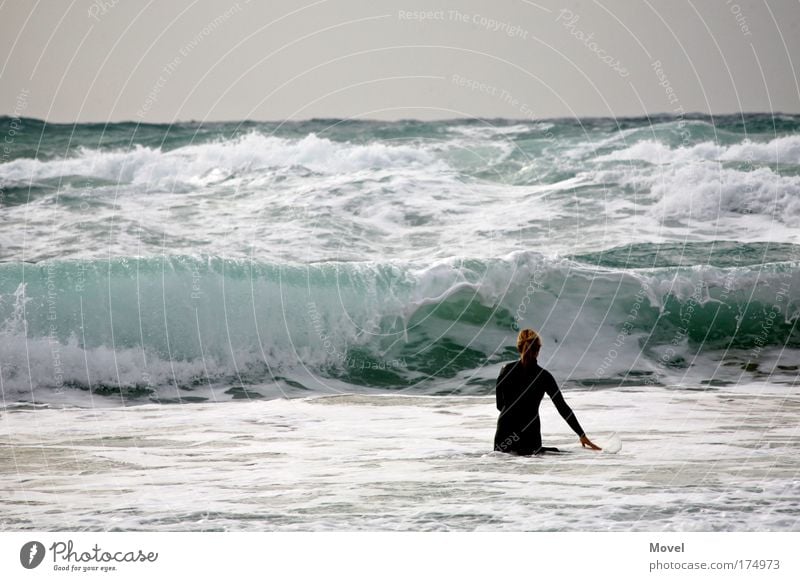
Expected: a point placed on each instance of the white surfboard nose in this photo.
(612, 444)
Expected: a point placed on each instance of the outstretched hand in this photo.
(587, 442)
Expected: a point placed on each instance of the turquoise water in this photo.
(256, 260)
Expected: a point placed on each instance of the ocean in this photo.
(299, 325)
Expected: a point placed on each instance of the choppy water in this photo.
(189, 262)
(690, 461)
(393, 263)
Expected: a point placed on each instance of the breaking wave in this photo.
(162, 325)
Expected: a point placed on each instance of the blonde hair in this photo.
(528, 344)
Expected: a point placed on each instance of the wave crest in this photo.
(168, 323)
(205, 163)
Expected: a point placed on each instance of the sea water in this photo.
(267, 326)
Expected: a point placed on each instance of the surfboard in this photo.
(611, 445)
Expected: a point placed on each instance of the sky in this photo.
(161, 62)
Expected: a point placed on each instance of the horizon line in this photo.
(669, 114)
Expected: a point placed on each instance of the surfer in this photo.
(521, 386)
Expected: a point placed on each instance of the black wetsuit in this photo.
(519, 393)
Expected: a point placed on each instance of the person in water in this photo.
(521, 386)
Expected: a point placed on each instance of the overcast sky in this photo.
(100, 60)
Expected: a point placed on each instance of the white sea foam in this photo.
(489, 130)
(208, 162)
(690, 460)
(704, 192)
(473, 191)
(784, 150)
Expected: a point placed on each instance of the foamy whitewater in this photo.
(298, 326)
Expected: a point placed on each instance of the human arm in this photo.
(566, 412)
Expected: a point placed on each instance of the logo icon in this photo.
(31, 554)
